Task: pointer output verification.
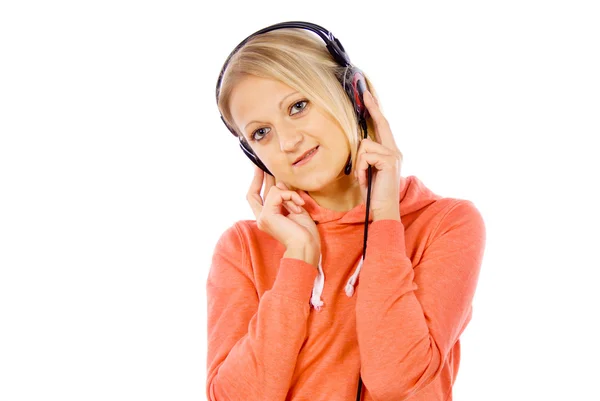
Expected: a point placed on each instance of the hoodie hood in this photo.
(414, 195)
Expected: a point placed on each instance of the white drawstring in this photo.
(318, 288)
(352, 281)
(315, 300)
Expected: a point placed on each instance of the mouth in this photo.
(306, 156)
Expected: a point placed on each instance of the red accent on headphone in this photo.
(357, 98)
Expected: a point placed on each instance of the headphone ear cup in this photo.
(355, 85)
(250, 153)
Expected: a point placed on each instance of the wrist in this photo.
(307, 253)
(387, 215)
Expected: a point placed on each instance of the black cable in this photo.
(363, 124)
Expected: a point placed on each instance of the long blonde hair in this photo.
(299, 59)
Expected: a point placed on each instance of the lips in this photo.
(304, 154)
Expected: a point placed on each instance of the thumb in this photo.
(362, 183)
(303, 194)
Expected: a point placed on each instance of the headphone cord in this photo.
(363, 124)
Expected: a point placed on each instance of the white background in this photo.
(117, 177)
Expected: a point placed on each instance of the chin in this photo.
(315, 181)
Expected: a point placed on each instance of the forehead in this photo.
(255, 98)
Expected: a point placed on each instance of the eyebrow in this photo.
(280, 105)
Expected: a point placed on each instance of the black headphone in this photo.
(353, 81)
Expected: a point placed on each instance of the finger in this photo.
(375, 99)
(367, 145)
(278, 197)
(383, 131)
(297, 198)
(372, 104)
(269, 182)
(253, 195)
(292, 207)
(257, 181)
(379, 161)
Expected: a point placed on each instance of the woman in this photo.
(289, 315)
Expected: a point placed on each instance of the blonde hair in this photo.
(299, 59)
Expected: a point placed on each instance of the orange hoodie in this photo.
(398, 325)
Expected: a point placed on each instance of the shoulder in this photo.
(246, 232)
(461, 222)
(229, 266)
(241, 236)
(460, 211)
(239, 255)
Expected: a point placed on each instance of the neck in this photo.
(341, 195)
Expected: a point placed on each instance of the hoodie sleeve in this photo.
(253, 343)
(409, 318)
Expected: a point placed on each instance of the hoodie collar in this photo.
(413, 196)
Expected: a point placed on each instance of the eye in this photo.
(258, 131)
(301, 102)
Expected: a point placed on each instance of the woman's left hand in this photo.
(386, 159)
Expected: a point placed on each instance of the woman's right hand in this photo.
(295, 230)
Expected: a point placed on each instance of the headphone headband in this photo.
(333, 45)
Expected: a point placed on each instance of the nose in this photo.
(289, 138)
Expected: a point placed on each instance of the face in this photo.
(280, 124)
